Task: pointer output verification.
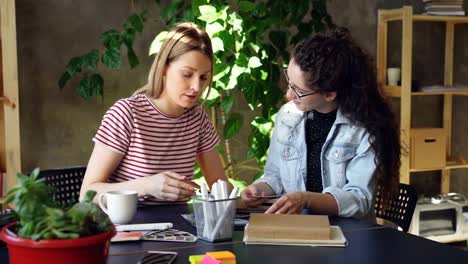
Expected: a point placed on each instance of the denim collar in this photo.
(295, 116)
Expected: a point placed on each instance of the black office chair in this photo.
(66, 182)
(399, 208)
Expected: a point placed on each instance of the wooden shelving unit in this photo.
(404, 93)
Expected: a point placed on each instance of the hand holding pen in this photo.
(169, 186)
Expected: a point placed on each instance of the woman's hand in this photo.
(169, 186)
(290, 203)
(250, 195)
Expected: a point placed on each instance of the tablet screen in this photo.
(158, 257)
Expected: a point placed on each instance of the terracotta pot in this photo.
(90, 249)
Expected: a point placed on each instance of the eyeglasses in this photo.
(295, 88)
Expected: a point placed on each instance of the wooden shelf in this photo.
(395, 91)
(397, 15)
(392, 91)
(453, 19)
(456, 165)
(450, 166)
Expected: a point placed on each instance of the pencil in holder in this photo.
(214, 219)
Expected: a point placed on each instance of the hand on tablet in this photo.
(290, 203)
(254, 196)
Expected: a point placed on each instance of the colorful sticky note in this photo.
(226, 257)
(195, 259)
(209, 260)
(222, 255)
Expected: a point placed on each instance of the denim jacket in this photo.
(347, 162)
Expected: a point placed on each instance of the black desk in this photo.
(368, 243)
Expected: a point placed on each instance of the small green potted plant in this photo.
(46, 233)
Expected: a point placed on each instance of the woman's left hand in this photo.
(290, 203)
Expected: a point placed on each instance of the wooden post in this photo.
(406, 70)
(447, 115)
(382, 49)
(10, 90)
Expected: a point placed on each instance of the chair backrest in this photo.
(66, 182)
(399, 208)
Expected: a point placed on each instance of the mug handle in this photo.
(101, 203)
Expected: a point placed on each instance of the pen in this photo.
(222, 218)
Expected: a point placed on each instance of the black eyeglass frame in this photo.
(294, 87)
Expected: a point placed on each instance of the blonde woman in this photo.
(150, 141)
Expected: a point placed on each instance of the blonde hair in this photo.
(184, 37)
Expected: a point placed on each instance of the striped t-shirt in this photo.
(152, 142)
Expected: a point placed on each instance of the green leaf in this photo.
(242, 60)
(220, 67)
(54, 212)
(128, 36)
(35, 173)
(109, 36)
(171, 10)
(235, 72)
(227, 39)
(221, 70)
(97, 83)
(255, 47)
(188, 15)
(207, 9)
(222, 13)
(195, 7)
(132, 57)
(136, 22)
(260, 10)
(90, 86)
(263, 125)
(74, 65)
(235, 21)
(226, 103)
(63, 80)
(111, 57)
(245, 6)
(208, 13)
(214, 94)
(233, 125)
(213, 28)
(254, 62)
(89, 196)
(157, 42)
(91, 59)
(83, 87)
(208, 17)
(218, 44)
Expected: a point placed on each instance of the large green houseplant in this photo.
(251, 41)
(46, 233)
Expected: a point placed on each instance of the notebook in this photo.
(337, 239)
(298, 230)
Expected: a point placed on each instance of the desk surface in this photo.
(368, 243)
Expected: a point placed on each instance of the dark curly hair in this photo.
(336, 64)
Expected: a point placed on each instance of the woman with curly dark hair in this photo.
(336, 139)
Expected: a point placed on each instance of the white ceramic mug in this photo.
(393, 76)
(121, 205)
